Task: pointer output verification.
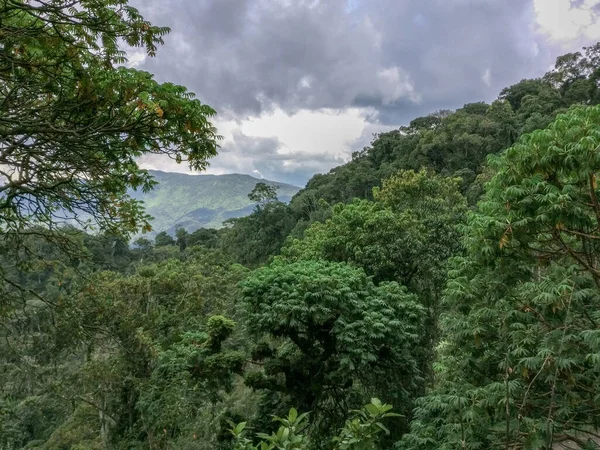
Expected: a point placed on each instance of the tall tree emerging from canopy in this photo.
(328, 337)
(73, 122)
(519, 366)
(263, 194)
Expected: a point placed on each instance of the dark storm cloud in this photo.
(448, 45)
(399, 58)
(402, 57)
(253, 146)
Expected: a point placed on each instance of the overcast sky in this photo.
(300, 84)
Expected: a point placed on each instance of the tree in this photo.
(253, 239)
(407, 235)
(369, 235)
(263, 194)
(514, 94)
(503, 118)
(197, 368)
(163, 239)
(182, 236)
(73, 121)
(521, 339)
(329, 336)
(579, 69)
(207, 237)
(143, 247)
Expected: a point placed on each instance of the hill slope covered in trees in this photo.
(201, 201)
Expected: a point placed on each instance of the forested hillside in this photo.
(439, 291)
(201, 201)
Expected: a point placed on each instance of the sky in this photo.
(299, 85)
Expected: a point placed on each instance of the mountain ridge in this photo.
(195, 201)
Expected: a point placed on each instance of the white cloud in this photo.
(136, 58)
(317, 132)
(307, 142)
(487, 77)
(565, 22)
(305, 82)
(395, 84)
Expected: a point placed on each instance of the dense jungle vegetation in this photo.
(439, 291)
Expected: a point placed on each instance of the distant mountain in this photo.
(202, 201)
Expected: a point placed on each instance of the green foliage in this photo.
(182, 237)
(205, 237)
(288, 435)
(104, 345)
(157, 351)
(520, 353)
(436, 205)
(331, 335)
(74, 122)
(263, 194)
(121, 358)
(163, 239)
(361, 432)
(195, 369)
(405, 236)
(253, 239)
(367, 234)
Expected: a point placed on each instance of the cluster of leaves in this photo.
(253, 239)
(361, 432)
